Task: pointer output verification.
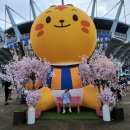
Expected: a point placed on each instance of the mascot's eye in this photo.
(48, 19)
(75, 17)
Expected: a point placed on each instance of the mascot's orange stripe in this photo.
(56, 80)
(76, 81)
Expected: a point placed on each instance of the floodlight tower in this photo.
(93, 9)
(62, 2)
(33, 9)
(14, 25)
(116, 20)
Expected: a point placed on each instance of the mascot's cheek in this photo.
(39, 28)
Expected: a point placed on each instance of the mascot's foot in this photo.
(46, 101)
(90, 97)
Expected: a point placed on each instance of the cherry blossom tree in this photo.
(21, 71)
(100, 68)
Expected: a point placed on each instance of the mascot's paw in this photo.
(46, 101)
(29, 85)
(90, 97)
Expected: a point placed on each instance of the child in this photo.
(66, 100)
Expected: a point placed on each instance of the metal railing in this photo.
(99, 31)
(121, 35)
(13, 39)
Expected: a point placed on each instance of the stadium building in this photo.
(113, 36)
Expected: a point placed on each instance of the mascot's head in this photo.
(62, 34)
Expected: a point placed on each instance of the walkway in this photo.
(6, 114)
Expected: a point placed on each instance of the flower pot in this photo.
(117, 114)
(106, 112)
(31, 115)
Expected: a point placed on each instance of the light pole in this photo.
(62, 2)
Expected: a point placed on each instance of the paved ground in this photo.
(6, 116)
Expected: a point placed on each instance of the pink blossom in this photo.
(19, 72)
(99, 67)
(33, 98)
(107, 96)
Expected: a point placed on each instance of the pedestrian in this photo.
(6, 85)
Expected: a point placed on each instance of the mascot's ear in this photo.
(69, 4)
(55, 5)
(52, 6)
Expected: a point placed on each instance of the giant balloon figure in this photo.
(62, 34)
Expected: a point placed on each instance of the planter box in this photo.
(117, 114)
(19, 117)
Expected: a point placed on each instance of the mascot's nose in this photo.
(62, 21)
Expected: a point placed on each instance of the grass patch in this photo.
(69, 116)
(20, 110)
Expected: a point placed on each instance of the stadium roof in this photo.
(100, 23)
(106, 24)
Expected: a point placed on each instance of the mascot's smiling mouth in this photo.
(62, 26)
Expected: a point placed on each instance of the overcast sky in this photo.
(23, 8)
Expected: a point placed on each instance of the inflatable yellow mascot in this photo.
(62, 34)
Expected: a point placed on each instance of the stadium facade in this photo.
(112, 31)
